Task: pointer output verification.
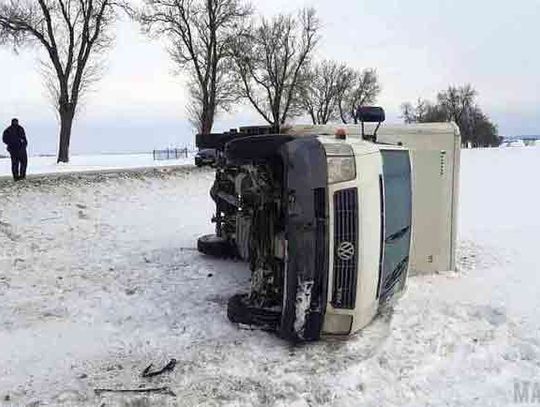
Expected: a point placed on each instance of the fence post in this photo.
(170, 153)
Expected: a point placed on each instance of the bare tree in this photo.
(423, 112)
(73, 33)
(457, 101)
(362, 89)
(270, 60)
(200, 33)
(484, 132)
(408, 113)
(325, 83)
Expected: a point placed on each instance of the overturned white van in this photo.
(332, 218)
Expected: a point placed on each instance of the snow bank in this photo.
(514, 143)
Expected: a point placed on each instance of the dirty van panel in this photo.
(307, 239)
(397, 190)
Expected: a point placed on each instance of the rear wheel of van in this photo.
(215, 246)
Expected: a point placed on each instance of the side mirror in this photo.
(370, 114)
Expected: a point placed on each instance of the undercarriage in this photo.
(249, 214)
(266, 216)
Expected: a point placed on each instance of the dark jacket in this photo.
(15, 138)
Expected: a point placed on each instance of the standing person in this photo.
(15, 139)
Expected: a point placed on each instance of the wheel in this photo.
(240, 312)
(215, 246)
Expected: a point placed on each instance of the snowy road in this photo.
(99, 278)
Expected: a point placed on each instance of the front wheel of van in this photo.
(240, 311)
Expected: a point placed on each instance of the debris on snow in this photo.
(169, 367)
(160, 390)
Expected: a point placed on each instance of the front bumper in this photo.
(306, 277)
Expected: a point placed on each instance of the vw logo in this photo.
(345, 251)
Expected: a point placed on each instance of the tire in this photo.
(215, 246)
(240, 312)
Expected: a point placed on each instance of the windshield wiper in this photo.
(398, 235)
(392, 280)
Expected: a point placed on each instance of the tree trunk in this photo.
(312, 114)
(342, 113)
(207, 120)
(66, 124)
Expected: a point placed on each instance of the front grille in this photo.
(345, 248)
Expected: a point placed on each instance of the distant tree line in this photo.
(457, 104)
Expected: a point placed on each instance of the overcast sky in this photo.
(418, 47)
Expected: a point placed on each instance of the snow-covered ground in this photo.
(89, 163)
(99, 277)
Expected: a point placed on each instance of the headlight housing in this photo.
(341, 163)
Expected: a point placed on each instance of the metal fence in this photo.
(170, 154)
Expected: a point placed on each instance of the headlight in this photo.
(341, 164)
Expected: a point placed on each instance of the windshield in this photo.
(397, 208)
